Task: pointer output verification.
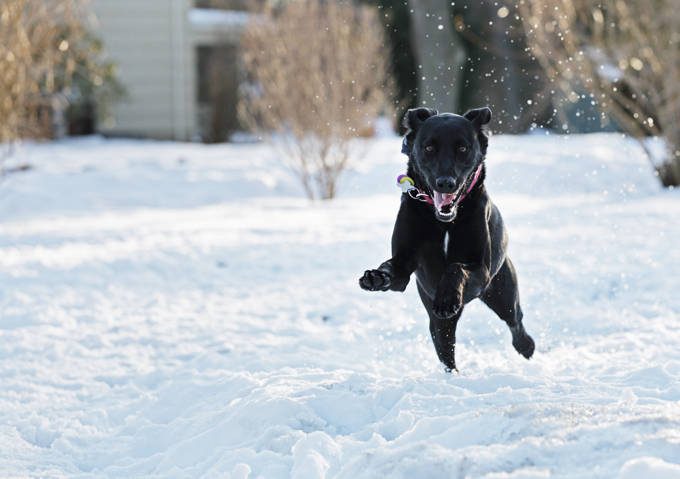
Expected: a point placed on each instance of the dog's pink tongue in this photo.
(441, 200)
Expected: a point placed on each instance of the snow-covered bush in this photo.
(625, 54)
(319, 74)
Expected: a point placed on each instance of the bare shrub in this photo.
(625, 53)
(43, 46)
(31, 36)
(320, 72)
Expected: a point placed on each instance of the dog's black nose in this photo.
(446, 184)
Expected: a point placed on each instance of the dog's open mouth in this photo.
(445, 204)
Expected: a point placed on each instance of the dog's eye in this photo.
(429, 148)
(462, 149)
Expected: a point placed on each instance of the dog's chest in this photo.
(455, 248)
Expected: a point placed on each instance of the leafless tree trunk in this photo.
(440, 53)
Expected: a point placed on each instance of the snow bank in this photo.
(178, 310)
(649, 467)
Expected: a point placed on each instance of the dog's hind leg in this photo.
(502, 296)
(443, 332)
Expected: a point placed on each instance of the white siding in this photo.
(148, 40)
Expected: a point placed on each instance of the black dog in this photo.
(454, 261)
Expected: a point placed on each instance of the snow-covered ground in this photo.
(180, 310)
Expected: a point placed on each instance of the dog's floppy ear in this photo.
(479, 117)
(414, 118)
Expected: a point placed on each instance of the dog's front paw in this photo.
(376, 280)
(447, 302)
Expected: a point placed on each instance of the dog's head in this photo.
(445, 151)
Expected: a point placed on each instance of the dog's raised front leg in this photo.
(459, 285)
(395, 273)
(391, 275)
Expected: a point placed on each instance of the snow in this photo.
(649, 467)
(211, 17)
(179, 310)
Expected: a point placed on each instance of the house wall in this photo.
(150, 41)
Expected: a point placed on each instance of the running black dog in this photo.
(449, 232)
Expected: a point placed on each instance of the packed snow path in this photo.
(177, 310)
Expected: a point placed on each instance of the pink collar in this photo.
(422, 196)
(474, 181)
